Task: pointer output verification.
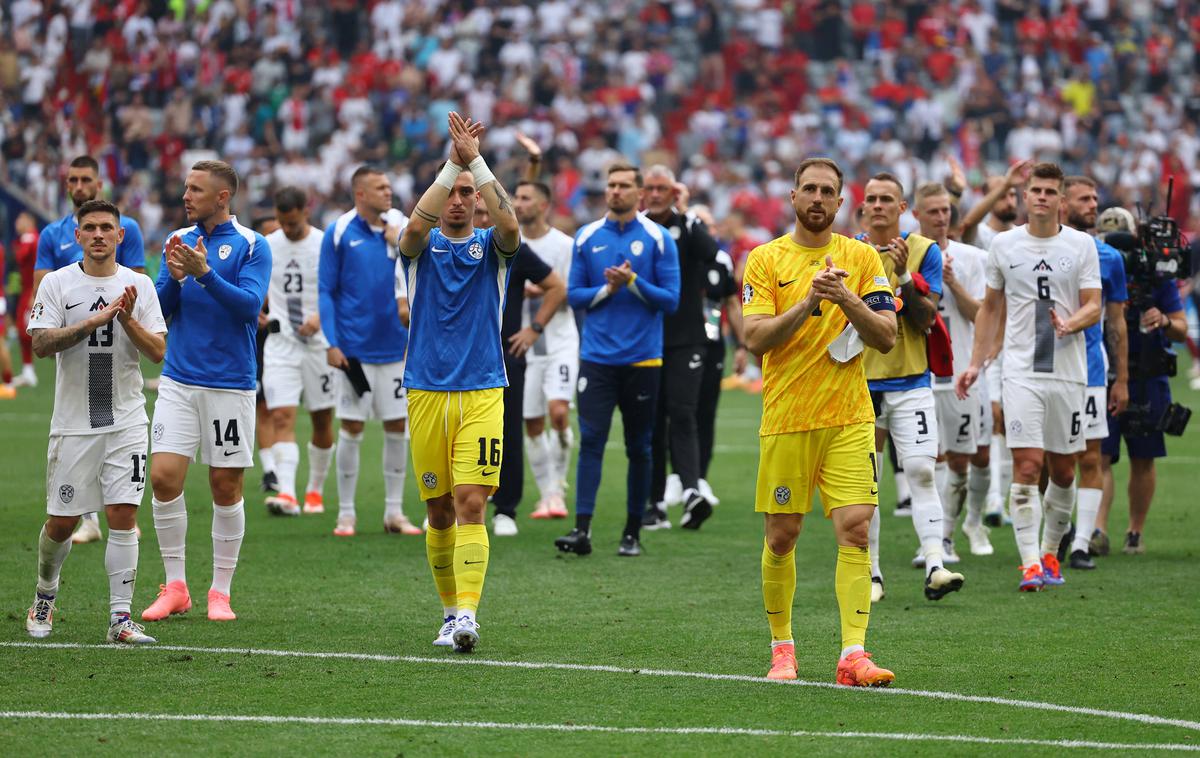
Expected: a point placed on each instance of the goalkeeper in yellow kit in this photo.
(811, 300)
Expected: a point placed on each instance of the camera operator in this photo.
(1155, 319)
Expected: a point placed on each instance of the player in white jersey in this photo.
(1043, 290)
(294, 357)
(97, 451)
(964, 426)
(552, 363)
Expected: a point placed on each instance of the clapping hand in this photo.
(185, 260)
(829, 284)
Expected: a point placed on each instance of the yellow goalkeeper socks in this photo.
(852, 583)
(439, 549)
(779, 587)
(470, 565)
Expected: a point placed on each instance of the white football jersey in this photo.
(969, 263)
(292, 293)
(555, 248)
(1037, 275)
(984, 235)
(97, 382)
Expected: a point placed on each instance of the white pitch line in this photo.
(542, 666)
(534, 727)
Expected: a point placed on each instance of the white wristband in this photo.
(479, 169)
(448, 174)
(904, 279)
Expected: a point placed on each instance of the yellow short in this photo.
(840, 461)
(457, 438)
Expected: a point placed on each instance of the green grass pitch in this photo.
(1120, 639)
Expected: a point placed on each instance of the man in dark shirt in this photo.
(684, 350)
(526, 270)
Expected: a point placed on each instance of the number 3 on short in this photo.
(489, 451)
(231, 433)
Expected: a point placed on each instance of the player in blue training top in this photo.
(357, 297)
(211, 287)
(1081, 203)
(454, 374)
(625, 273)
(58, 248)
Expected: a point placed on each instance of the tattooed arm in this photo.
(47, 342)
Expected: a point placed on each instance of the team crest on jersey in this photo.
(747, 294)
(676, 233)
(636, 247)
(582, 384)
(1014, 426)
(475, 250)
(157, 432)
(1042, 266)
(1065, 263)
(66, 493)
(783, 495)
(429, 479)
(224, 251)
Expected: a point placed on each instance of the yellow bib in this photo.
(908, 357)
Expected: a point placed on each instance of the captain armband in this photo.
(880, 301)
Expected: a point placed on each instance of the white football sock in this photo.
(228, 528)
(347, 468)
(120, 562)
(266, 456)
(979, 484)
(51, 555)
(1025, 508)
(994, 488)
(395, 468)
(1060, 501)
(93, 517)
(1006, 468)
(953, 495)
(318, 467)
(561, 444)
(903, 491)
(1088, 509)
(941, 472)
(170, 524)
(542, 464)
(287, 460)
(927, 515)
(873, 544)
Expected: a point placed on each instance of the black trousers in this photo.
(512, 468)
(706, 406)
(675, 422)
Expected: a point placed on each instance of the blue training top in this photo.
(626, 327)
(356, 292)
(456, 296)
(1112, 290)
(57, 246)
(931, 269)
(213, 319)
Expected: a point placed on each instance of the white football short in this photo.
(1046, 414)
(1095, 414)
(994, 380)
(85, 472)
(213, 426)
(549, 377)
(291, 368)
(963, 425)
(910, 416)
(386, 400)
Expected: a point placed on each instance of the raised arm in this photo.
(533, 168)
(1014, 177)
(466, 144)
(428, 211)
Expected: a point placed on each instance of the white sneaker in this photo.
(445, 637)
(466, 634)
(706, 492)
(88, 531)
(503, 525)
(673, 495)
(949, 557)
(396, 522)
(40, 621)
(27, 378)
(123, 631)
(978, 536)
(876, 589)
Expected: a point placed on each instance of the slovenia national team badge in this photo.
(636, 247)
(1064, 264)
(429, 479)
(66, 493)
(224, 251)
(747, 294)
(475, 250)
(157, 432)
(783, 495)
